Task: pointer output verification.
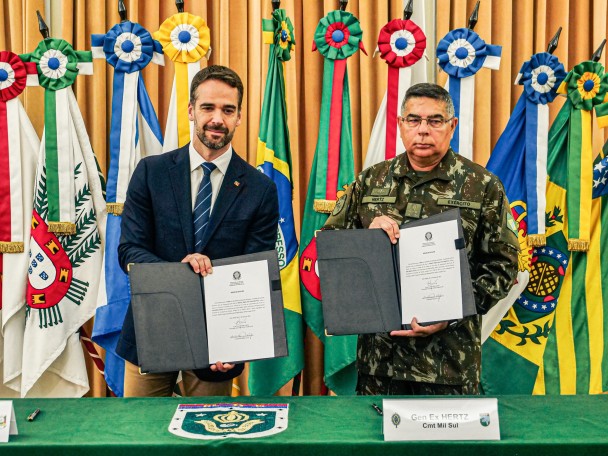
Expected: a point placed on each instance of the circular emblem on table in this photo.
(236, 275)
(396, 419)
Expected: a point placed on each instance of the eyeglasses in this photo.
(432, 122)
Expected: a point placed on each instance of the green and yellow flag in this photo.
(274, 160)
(575, 360)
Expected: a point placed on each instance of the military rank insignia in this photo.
(220, 421)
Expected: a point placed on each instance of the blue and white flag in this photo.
(461, 54)
(520, 161)
(134, 132)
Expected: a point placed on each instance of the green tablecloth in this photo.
(554, 425)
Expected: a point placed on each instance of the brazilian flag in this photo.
(274, 160)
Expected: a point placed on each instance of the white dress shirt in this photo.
(217, 175)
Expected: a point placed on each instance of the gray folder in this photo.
(360, 278)
(169, 314)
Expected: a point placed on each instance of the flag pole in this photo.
(552, 46)
(122, 11)
(408, 10)
(597, 55)
(474, 17)
(44, 29)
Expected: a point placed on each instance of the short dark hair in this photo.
(218, 73)
(428, 90)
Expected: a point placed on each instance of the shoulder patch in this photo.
(339, 205)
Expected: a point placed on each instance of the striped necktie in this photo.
(202, 207)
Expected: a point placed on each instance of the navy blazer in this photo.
(157, 223)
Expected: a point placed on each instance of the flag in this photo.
(575, 360)
(461, 54)
(520, 161)
(185, 39)
(19, 146)
(556, 343)
(134, 132)
(274, 160)
(401, 44)
(337, 37)
(518, 343)
(586, 87)
(66, 242)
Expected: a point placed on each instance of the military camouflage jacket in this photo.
(393, 188)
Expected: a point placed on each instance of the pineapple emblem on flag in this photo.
(54, 259)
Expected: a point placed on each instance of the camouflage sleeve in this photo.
(494, 262)
(346, 212)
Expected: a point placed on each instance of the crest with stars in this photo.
(546, 278)
(220, 421)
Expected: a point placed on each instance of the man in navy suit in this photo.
(157, 220)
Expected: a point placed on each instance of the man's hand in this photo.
(389, 226)
(420, 331)
(200, 263)
(221, 367)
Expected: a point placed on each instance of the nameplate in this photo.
(458, 203)
(8, 423)
(441, 419)
(379, 199)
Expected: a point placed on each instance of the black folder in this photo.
(169, 313)
(360, 278)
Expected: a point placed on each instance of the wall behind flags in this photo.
(522, 27)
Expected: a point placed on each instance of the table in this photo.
(332, 426)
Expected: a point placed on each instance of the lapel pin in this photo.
(237, 183)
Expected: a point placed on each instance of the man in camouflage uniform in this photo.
(442, 358)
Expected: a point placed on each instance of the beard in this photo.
(215, 144)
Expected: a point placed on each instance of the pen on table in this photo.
(32, 416)
(377, 409)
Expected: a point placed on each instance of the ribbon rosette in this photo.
(541, 76)
(57, 63)
(338, 35)
(586, 85)
(128, 47)
(401, 43)
(13, 75)
(461, 53)
(284, 40)
(185, 38)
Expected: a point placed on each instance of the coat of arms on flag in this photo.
(67, 231)
(218, 421)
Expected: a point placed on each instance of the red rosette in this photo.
(13, 84)
(337, 27)
(401, 43)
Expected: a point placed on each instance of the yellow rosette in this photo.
(185, 39)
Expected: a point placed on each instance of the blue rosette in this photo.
(461, 53)
(541, 76)
(129, 47)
